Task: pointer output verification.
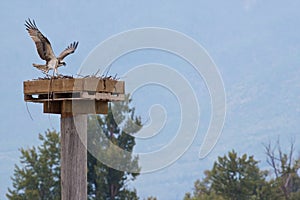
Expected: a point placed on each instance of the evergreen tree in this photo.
(237, 178)
(151, 198)
(105, 182)
(234, 178)
(39, 175)
(202, 190)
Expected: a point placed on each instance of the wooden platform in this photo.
(74, 95)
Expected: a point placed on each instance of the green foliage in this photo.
(39, 175)
(104, 135)
(239, 178)
(202, 190)
(151, 198)
(231, 177)
(236, 177)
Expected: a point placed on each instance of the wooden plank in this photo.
(111, 97)
(101, 107)
(93, 84)
(53, 107)
(119, 88)
(73, 85)
(76, 107)
(35, 87)
(28, 97)
(74, 157)
(61, 85)
(47, 86)
(74, 96)
(103, 96)
(103, 85)
(85, 107)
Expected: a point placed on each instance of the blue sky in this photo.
(255, 44)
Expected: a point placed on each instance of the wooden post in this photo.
(73, 157)
(74, 98)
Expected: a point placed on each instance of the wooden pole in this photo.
(73, 157)
(73, 98)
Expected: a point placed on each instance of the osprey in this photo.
(45, 51)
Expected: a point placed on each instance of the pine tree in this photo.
(39, 175)
(104, 181)
(202, 190)
(234, 178)
(237, 178)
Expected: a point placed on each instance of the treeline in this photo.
(234, 177)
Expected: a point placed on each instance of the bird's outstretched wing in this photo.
(43, 45)
(69, 50)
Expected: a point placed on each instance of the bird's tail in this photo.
(44, 68)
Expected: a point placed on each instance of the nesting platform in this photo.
(74, 95)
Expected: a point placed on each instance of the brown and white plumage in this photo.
(45, 50)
